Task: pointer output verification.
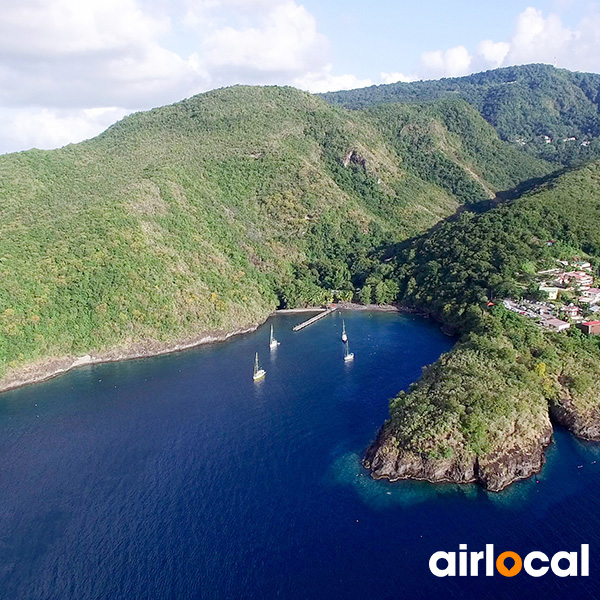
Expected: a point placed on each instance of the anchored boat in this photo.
(348, 356)
(273, 343)
(344, 336)
(258, 372)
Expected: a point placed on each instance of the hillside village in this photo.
(567, 297)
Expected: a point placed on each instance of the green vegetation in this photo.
(496, 381)
(474, 259)
(473, 397)
(506, 371)
(524, 104)
(209, 213)
(449, 144)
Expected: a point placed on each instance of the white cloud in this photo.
(539, 39)
(535, 38)
(493, 53)
(207, 12)
(451, 63)
(70, 67)
(58, 58)
(31, 27)
(325, 81)
(285, 41)
(396, 77)
(69, 53)
(46, 129)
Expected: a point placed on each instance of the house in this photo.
(571, 311)
(591, 296)
(590, 327)
(579, 279)
(550, 290)
(582, 264)
(556, 324)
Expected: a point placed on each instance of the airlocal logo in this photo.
(536, 564)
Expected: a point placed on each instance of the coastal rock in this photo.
(388, 460)
(584, 423)
(519, 456)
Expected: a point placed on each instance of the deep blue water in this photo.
(179, 477)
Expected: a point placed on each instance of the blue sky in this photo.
(369, 37)
(70, 68)
(390, 36)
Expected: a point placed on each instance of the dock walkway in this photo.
(315, 318)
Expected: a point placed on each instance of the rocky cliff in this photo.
(583, 422)
(518, 457)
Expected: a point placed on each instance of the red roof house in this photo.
(590, 327)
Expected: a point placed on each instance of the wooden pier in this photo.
(314, 319)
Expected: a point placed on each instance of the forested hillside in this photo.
(482, 412)
(207, 214)
(449, 144)
(551, 113)
(479, 258)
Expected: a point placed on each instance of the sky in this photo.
(71, 68)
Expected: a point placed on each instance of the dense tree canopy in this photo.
(536, 107)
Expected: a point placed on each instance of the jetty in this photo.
(314, 319)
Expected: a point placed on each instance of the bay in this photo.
(180, 477)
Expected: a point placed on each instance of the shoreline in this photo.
(380, 308)
(54, 367)
(298, 311)
(49, 368)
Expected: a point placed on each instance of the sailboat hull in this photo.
(259, 374)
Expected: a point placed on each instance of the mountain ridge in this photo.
(536, 106)
(483, 412)
(208, 214)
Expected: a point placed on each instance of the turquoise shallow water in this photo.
(179, 477)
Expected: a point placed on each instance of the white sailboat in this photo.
(258, 372)
(348, 356)
(273, 343)
(344, 336)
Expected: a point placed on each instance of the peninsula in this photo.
(196, 220)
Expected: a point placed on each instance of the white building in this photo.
(570, 311)
(556, 324)
(579, 279)
(591, 296)
(550, 290)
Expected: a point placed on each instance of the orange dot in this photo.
(516, 568)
